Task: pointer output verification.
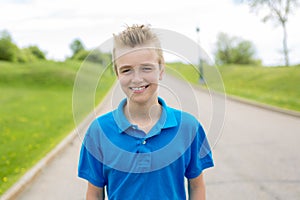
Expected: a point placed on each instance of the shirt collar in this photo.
(166, 120)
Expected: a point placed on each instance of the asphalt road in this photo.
(256, 151)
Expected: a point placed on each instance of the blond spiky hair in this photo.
(137, 35)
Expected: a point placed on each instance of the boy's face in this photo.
(139, 72)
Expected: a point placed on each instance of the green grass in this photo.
(276, 86)
(185, 71)
(35, 112)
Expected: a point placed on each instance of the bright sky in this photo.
(54, 24)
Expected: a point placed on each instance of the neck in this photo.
(143, 115)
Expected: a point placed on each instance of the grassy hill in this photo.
(35, 112)
(276, 86)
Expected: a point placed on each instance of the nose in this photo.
(137, 77)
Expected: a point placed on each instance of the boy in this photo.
(143, 149)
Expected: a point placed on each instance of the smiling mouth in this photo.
(139, 89)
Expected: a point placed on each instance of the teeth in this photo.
(138, 88)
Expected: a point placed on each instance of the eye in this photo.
(147, 68)
(125, 70)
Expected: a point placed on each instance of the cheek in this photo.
(122, 80)
(154, 78)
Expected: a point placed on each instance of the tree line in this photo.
(9, 51)
(229, 50)
(79, 52)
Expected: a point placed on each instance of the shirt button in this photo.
(144, 142)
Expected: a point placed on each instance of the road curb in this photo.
(25, 181)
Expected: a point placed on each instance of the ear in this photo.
(162, 71)
(115, 69)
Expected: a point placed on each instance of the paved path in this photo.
(256, 157)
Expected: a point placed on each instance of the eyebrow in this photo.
(142, 64)
(148, 63)
(126, 65)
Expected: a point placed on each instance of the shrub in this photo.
(8, 50)
(233, 50)
(39, 54)
(25, 55)
(95, 56)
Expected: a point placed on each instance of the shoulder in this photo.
(183, 117)
(105, 118)
(101, 122)
(185, 123)
(180, 116)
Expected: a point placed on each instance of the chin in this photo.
(138, 99)
(143, 99)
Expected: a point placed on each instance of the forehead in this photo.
(136, 55)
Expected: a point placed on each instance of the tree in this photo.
(234, 50)
(8, 50)
(11, 52)
(95, 56)
(39, 54)
(278, 12)
(81, 55)
(5, 35)
(25, 55)
(30, 54)
(76, 46)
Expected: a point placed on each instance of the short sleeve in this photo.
(200, 155)
(90, 168)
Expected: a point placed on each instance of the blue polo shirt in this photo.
(133, 165)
